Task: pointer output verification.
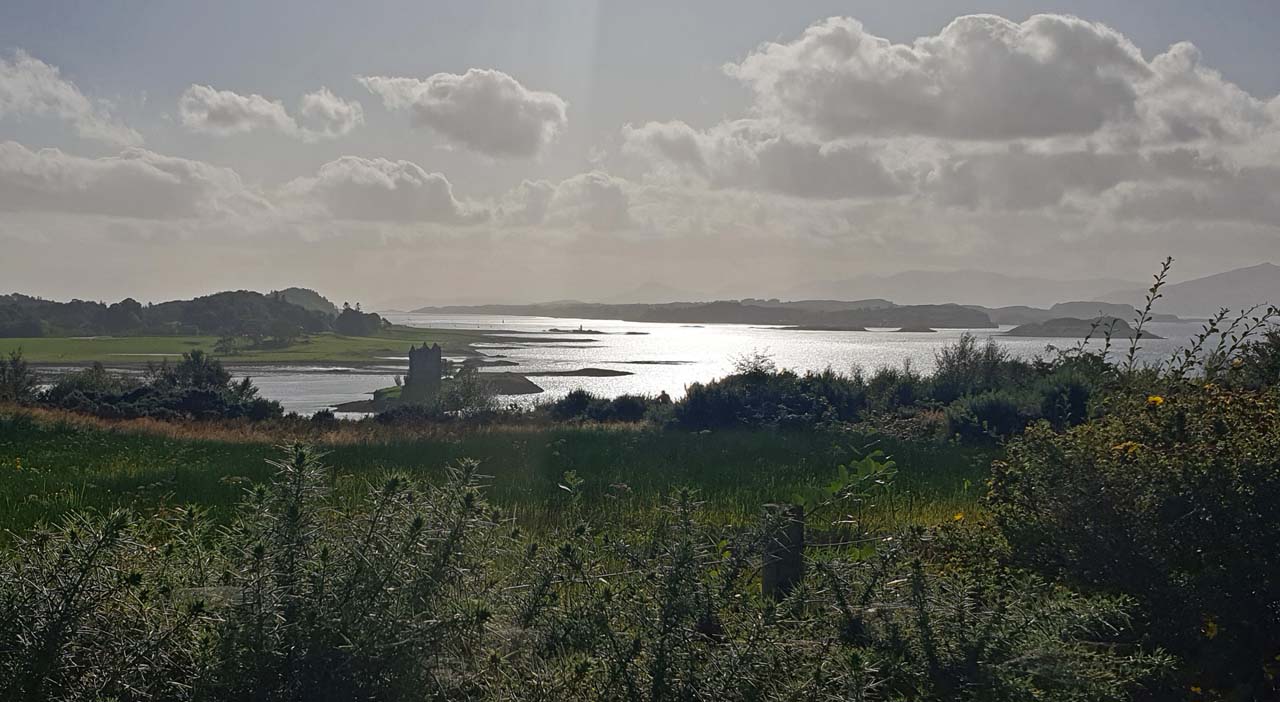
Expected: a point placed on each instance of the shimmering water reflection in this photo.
(664, 357)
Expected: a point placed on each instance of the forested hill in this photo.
(233, 313)
(867, 313)
(309, 299)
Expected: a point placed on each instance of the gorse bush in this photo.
(373, 604)
(1175, 500)
(1172, 496)
(93, 610)
(424, 593)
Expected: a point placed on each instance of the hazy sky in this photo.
(439, 152)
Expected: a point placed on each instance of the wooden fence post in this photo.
(783, 550)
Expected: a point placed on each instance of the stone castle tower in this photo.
(425, 370)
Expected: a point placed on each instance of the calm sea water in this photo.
(661, 357)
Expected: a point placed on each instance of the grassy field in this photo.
(51, 466)
(318, 348)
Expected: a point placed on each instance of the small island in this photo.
(823, 327)
(579, 330)
(1072, 328)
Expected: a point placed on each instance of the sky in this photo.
(400, 153)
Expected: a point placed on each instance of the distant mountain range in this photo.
(964, 287)
(1006, 299)
(1235, 290)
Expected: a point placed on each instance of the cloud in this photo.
(1016, 178)
(324, 114)
(31, 87)
(224, 113)
(137, 183)
(528, 203)
(751, 155)
(484, 110)
(1054, 116)
(594, 200)
(1186, 101)
(354, 188)
(981, 77)
(1249, 195)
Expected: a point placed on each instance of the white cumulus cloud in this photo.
(322, 114)
(981, 77)
(593, 200)
(484, 110)
(30, 87)
(137, 183)
(751, 155)
(355, 188)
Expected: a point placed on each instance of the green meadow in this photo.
(51, 467)
(317, 348)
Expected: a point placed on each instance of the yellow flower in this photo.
(17, 463)
(1155, 400)
(958, 516)
(1210, 629)
(1129, 448)
(1195, 689)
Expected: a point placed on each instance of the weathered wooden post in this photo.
(783, 550)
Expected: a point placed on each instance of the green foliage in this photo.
(353, 322)
(1064, 399)
(1175, 500)
(417, 592)
(18, 383)
(763, 397)
(378, 602)
(235, 313)
(894, 389)
(67, 466)
(1258, 364)
(989, 416)
(93, 610)
(582, 405)
(965, 368)
(464, 397)
(198, 387)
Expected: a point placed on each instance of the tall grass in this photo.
(52, 465)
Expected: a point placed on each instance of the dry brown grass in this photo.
(274, 432)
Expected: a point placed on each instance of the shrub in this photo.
(89, 611)
(375, 603)
(580, 404)
(1258, 364)
(769, 398)
(18, 383)
(986, 417)
(1064, 400)
(325, 418)
(965, 368)
(417, 593)
(1175, 500)
(573, 405)
(197, 387)
(892, 389)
